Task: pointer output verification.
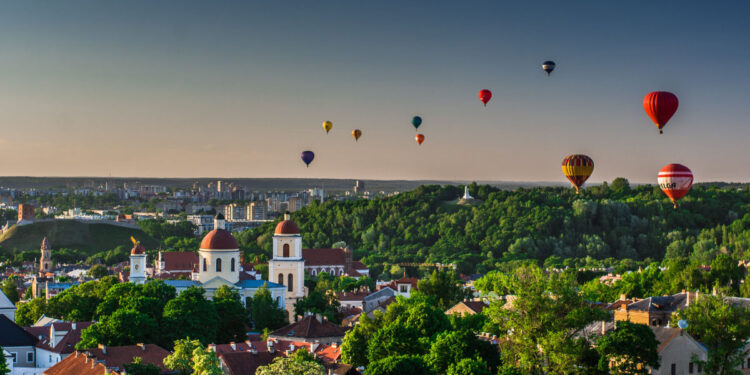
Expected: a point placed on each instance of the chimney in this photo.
(291, 347)
(103, 348)
(319, 318)
(233, 345)
(287, 216)
(142, 346)
(604, 327)
(688, 298)
(73, 326)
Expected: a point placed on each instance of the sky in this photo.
(240, 88)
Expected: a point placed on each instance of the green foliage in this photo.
(399, 365)
(162, 230)
(234, 318)
(291, 366)
(29, 312)
(445, 286)
(317, 302)
(468, 366)
(123, 327)
(79, 303)
(180, 360)
(722, 328)
(265, 312)
(451, 347)
(4, 370)
(191, 315)
(205, 362)
(10, 290)
(97, 272)
(138, 367)
(628, 349)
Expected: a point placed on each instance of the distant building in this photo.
(45, 260)
(174, 265)
(359, 187)
(311, 329)
(203, 223)
(294, 204)
(467, 308)
(467, 196)
(25, 213)
(235, 212)
(257, 210)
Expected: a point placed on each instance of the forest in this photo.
(605, 225)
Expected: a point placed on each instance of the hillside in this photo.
(72, 234)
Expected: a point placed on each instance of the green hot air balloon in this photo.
(416, 121)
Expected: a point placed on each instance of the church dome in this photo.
(219, 239)
(286, 227)
(138, 249)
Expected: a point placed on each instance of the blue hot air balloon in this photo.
(307, 157)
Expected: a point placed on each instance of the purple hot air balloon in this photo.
(307, 157)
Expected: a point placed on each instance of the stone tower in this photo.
(45, 261)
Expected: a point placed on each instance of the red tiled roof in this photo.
(349, 296)
(476, 306)
(219, 239)
(357, 265)
(324, 257)
(78, 364)
(308, 328)
(178, 260)
(243, 363)
(117, 356)
(286, 227)
(67, 343)
(329, 353)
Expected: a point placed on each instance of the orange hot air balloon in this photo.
(660, 106)
(419, 138)
(485, 96)
(356, 133)
(577, 168)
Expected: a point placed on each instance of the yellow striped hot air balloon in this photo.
(577, 168)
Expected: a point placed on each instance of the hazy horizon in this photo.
(177, 89)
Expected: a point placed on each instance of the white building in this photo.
(7, 307)
(287, 266)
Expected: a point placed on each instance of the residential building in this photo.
(56, 341)
(109, 360)
(337, 262)
(19, 343)
(175, 265)
(257, 210)
(235, 212)
(7, 308)
(467, 308)
(203, 223)
(311, 329)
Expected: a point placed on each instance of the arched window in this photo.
(315, 272)
(281, 278)
(218, 264)
(341, 272)
(232, 265)
(290, 278)
(286, 250)
(204, 264)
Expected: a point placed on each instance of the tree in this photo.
(123, 327)
(399, 365)
(445, 287)
(190, 315)
(265, 312)
(468, 366)
(138, 367)
(234, 317)
(545, 320)
(291, 366)
(180, 360)
(394, 339)
(205, 362)
(4, 370)
(628, 349)
(98, 271)
(10, 290)
(29, 312)
(318, 302)
(722, 328)
(451, 347)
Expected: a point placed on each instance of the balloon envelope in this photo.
(577, 168)
(548, 66)
(356, 133)
(419, 138)
(416, 121)
(327, 125)
(307, 157)
(485, 96)
(675, 181)
(660, 106)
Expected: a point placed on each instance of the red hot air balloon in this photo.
(485, 96)
(675, 181)
(419, 138)
(660, 106)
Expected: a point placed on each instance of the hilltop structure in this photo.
(45, 260)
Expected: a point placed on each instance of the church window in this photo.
(136, 266)
(281, 278)
(204, 264)
(218, 265)
(232, 265)
(286, 250)
(290, 278)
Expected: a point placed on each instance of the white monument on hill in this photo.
(467, 196)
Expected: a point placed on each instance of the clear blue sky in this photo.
(239, 89)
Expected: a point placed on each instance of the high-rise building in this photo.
(257, 211)
(235, 212)
(359, 187)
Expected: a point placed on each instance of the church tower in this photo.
(137, 263)
(45, 262)
(287, 266)
(219, 254)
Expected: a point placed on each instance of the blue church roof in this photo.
(255, 284)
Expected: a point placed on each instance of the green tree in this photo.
(394, 339)
(317, 302)
(234, 317)
(628, 349)
(399, 365)
(180, 360)
(29, 312)
(291, 366)
(190, 315)
(445, 286)
(4, 370)
(123, 327)
(722, 328)
(205, 362)
(450, 347)
(265, 312)
(468, 366)
(98, 271)
(138, 367)
(10, 290)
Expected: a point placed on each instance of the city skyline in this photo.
(233, 90)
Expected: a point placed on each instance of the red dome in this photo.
(138, 249)
(219, 239)
(287, 227)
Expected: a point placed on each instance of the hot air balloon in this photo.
(419, 138)
(327, 126)
(577, 168)
(307, 157)
(548, 66)
(416, 121)
(660, 106)
(356, 133)
(675, 181)
(485, 96)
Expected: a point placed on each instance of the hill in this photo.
(72, 234)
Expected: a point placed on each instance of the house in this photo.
(7, 307)
(109, 360)
(337, 262)
(56, 341)
(311, 329)
(467, 308)
(375, 299)
(19, 343)
(352, 299)
(173, 264)
(655, 311)
(403, 286)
